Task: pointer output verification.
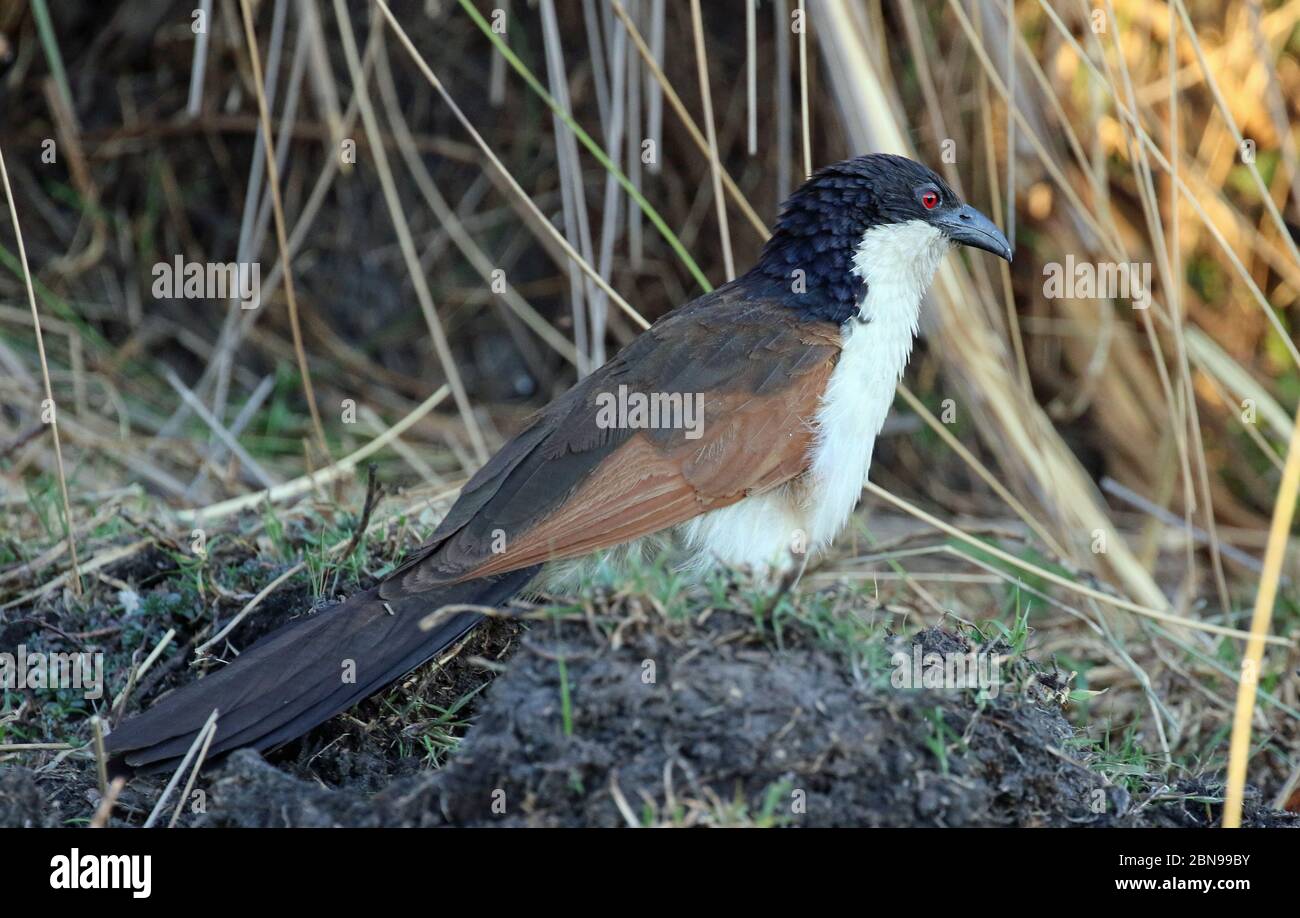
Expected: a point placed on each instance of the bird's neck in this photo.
(810, 269)
(829, 277)
(896, 265)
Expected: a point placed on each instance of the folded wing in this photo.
(570, 484)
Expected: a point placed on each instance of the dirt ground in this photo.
(603, 721)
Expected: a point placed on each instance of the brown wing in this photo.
(567, 486)
(645, 486)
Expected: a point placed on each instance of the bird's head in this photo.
(868, 220)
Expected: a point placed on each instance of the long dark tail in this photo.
(304, 673)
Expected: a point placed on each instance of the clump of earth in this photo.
(647, 721)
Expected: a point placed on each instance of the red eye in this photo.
(930, 199)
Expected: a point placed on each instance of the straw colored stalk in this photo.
(977, 361)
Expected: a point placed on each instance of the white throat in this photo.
(897, 262)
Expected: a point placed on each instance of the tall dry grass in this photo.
(1111, 131)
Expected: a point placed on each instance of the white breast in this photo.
(897, 262)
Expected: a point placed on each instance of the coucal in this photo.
(794, 366)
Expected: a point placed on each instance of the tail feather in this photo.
(303, 674)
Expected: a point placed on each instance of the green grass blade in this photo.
(45, 28)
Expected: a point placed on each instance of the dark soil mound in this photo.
(709, 723)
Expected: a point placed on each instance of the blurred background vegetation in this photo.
(1129, 454)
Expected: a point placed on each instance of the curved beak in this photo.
(967, 226)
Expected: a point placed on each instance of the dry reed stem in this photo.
(305, 483)
(805, 115)
(45, 377)
(281, 236)
(1015, 423)
(715, 168)
(405, 241)
(1274, 553)
(514, 186)
(674, 100)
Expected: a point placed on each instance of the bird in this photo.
(790, 370)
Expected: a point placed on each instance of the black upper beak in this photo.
(968, 226)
